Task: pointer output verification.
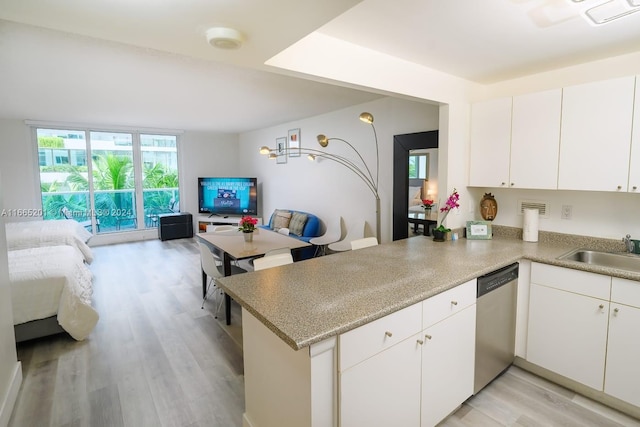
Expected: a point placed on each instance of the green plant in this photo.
(50, 142)
(451, 203)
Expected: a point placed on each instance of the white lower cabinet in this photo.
(584, 326)
(448, 358)
(417, 381)
(383, 390)
(568, 334)
(622, 377)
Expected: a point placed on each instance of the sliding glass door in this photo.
(132, 178)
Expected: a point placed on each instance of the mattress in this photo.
(52, 280)
(33, 234)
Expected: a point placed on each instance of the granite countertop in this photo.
(309, 301)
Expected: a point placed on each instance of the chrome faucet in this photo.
(628, 243)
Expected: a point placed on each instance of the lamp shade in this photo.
(366, 117)
(322, 140)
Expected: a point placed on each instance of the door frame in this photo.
(402, 145)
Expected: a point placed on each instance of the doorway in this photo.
(402, 146)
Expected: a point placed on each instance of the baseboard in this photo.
(12, 395)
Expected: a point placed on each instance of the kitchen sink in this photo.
(618, 260)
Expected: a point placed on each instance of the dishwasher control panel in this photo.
(494, 280)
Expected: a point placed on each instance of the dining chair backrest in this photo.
(208, 261)
(363, 243)
(354, 232)
(284, 231)
(272, 261)
(332, 234)
(221, 228)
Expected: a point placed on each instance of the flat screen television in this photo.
(227, 196)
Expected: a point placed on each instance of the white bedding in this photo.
(52, 280)
(33, 234)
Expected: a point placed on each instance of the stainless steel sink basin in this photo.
(619, 260)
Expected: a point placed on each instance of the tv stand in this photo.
(204, 220)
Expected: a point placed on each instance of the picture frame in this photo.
(293, 140)
(281, 150)
(479, 230)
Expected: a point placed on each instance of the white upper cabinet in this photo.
(514, 141)
(596, 135)
(634, 169)
(535, 140)
(490, 143)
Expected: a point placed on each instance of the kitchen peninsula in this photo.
(294, 316)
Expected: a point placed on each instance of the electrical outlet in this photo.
(566, 211)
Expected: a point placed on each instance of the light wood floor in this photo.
(157, 359)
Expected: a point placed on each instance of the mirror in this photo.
(403, 146)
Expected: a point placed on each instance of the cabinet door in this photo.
(447, 365)
(596, 135)
(535, 140)
(634, 170)
(568, 334)
(490, 142)
(383, 390)
(622, 378)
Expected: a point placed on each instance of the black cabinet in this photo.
(175, 226)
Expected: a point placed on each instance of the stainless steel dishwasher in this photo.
(495, 324)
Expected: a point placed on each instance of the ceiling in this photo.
(147, 63)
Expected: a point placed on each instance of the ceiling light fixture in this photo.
(607, 11)
(224, 38)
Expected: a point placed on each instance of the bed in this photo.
(33, 234)
(51, 288)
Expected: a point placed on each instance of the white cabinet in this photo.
(596, 135)
(634, 168)
(206, 220)
(448, 353)
(388, 377)
(568, 323)
(379, 367)
(584, 326)
(515, 141)
(535, 140)
(490, 143)
(622, 379)
(383, 390)
(447, 365)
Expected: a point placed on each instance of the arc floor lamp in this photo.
(357, 166)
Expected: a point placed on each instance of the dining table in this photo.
(426, 218)
(230, 246)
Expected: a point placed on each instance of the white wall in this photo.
(326, 188)
(10, 369)
(18, 167)
(205, 154)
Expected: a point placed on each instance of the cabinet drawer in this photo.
(365, 341)
(575, 281)
(443, 305)
(625, 292)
